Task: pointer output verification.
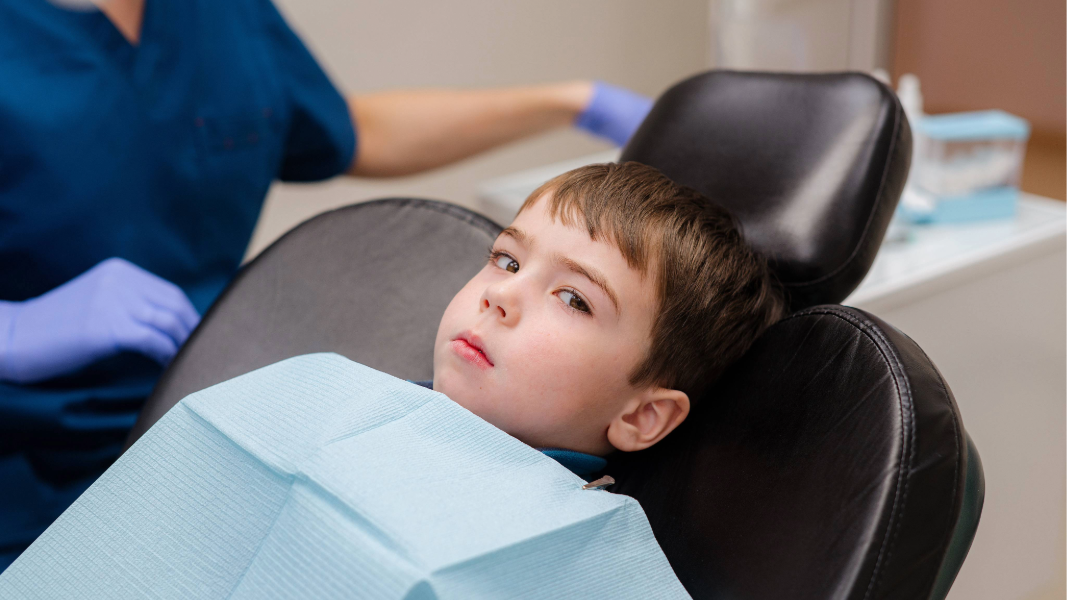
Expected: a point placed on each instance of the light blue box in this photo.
(993, 203)
(974, 126)
(968, 166)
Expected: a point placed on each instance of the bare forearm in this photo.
(405, 132)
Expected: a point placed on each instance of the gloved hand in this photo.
(113, 307)
(613, 113)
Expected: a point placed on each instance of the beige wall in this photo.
(977, 54)
(1008, 54)
(369, 45)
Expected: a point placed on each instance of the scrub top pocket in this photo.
(240, 154)
(222, 138)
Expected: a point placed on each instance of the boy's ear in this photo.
(648, 419)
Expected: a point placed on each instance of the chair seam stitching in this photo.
(959, 458)
(907, 445)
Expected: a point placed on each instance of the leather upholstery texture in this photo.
(812, 166)
(369, 281)
(830, 462)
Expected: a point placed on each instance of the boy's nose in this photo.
(500, 299)
(487, 306)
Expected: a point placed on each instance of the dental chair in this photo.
(830, 462)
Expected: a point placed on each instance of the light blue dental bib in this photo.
(318, 477)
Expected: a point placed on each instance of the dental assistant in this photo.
(137, 143)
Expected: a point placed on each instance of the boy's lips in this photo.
(471, 347)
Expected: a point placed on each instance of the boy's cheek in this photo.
(537, 348)
(458, 314)
(550, 363)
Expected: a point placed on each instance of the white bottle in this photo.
(913, 201)
(911, 97)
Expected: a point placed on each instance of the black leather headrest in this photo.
(811, 165)
(828, 463)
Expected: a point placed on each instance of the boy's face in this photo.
(541, 342)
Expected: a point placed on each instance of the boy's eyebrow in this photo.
(589, 273)
(517, 234)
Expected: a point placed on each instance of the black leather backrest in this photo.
(811, 165)
(828, 463)
(369, 281)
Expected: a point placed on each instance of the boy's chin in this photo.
(471, 395)
(458, 387)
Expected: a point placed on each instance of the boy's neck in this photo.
(581, 464)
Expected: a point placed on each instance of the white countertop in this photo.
(935, 257)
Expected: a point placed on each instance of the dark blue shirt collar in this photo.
(581, 464)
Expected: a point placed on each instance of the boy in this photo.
(614, 299)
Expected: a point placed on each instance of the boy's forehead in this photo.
(536, 225)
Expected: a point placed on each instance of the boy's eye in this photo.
(506, 262)
(574, 301)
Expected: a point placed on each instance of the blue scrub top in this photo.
(161, 154)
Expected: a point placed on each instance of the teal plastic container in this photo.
(969, 166)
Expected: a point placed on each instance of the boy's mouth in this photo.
(470, 347)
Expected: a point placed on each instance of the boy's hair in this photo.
(715, 295)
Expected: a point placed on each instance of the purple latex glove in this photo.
(614, 113)
(115, 306)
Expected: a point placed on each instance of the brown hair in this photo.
(715, 295)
